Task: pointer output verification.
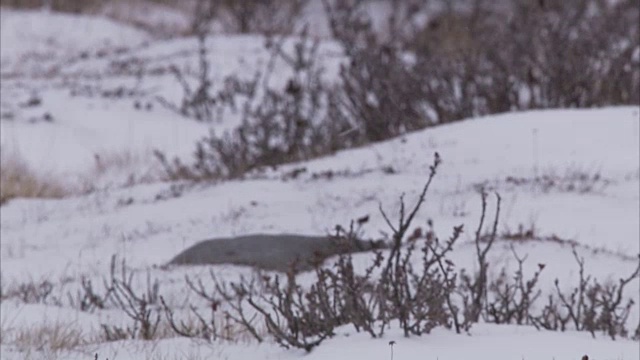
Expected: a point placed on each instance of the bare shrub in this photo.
(268, 17)
(292, 316)
(87, 298)
(234, 296)
(277, 125)
(304, 316)
(31, 292)
(476, 284)
(392, 290)
(470, 59)
(418, 298)
(467, 61)
(141, 307)
(510, 298)
(22, 4)
(199, 102)
(142, 14)
(220, 325)
(413, 297)
(264, 16)
(590, 306)
(71, 6)
(597, 41)
(381, 95)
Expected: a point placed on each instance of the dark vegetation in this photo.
(471, 58)
(412, 285)
(398, 290)
(70, 6)
(466, 61)
(429, 62)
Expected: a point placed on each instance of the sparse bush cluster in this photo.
(34, 292)
(265, 16)
(142, 307)
(395, 290)
(413, 285)
(433, 62)
(70, 6)
(590, 306)
(277, 124)
(484, 58)
(464, 61)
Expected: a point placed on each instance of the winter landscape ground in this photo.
(569, 180)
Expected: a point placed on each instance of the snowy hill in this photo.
(572, 177)
(56, 239)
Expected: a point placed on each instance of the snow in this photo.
(83, 128)
(40, 41)
(159, 19)
(145, 224)
(485, 341)
(85, 122)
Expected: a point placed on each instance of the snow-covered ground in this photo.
(106, 104)
(572, 174)
(41, 42)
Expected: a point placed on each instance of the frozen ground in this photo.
(39, 42)
(486, 342)
(104, 102)
(81, 230)
(574, 174)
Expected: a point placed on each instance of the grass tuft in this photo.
(18, 180)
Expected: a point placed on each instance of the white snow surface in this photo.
(592, 156)
(39, 42)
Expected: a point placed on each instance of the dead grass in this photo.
(131, 168)
(54, 340)
(18, 180)
(110, 169)
(48, 339)
(147, 15)
(575, 178)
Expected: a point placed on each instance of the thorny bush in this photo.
(278, 125)
(481, 58)
(431, 62)
(412, 284)
(393, 291)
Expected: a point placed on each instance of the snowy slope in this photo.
(39, 42)
(472, 151)
(59, 239)
(86, 118)
(570, 174)
(486, 342)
